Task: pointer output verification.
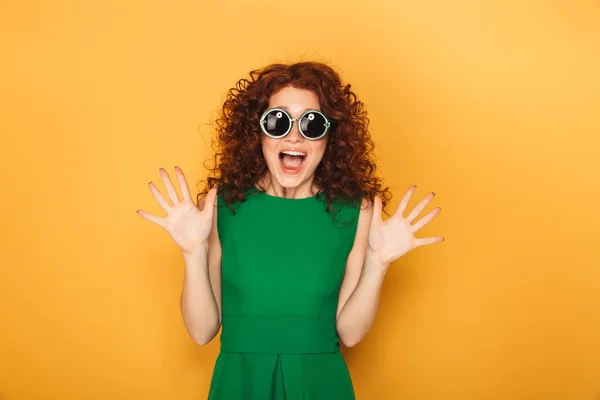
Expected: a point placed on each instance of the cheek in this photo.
(319, 149)
(268, 146)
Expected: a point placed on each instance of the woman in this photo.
(287, 250)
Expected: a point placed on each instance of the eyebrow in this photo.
(288, 110)
(284, 107)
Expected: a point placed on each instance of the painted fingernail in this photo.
(433, 193)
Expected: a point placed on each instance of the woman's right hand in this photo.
(189, 225)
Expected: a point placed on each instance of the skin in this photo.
(377, 243)
(276, 182)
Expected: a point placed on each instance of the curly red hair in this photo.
(347, 170)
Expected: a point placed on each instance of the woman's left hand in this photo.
(395, 237)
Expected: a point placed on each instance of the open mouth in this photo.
(292, 160)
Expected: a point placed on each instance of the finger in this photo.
(427, 241)
(202, 198)
(420, 207)
(169, 186)
(151, 217)
(201, 202)
(183, 185)
(164, 204)
(210, 199)
(404, 201)
(426, 219)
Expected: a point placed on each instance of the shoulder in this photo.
(363, 225)
(361, 206)
(361, 238)
(365, 214)
(366, 207)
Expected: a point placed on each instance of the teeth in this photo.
(293, 153)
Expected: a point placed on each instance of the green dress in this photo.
(283, 261)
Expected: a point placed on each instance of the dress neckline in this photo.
(254, 189)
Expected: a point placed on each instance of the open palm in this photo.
(395, 237)
(189, 225)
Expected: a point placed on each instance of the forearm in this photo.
(198, 306)
(358, 314)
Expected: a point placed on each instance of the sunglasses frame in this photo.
(292, 120)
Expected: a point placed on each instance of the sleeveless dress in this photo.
(282, 264)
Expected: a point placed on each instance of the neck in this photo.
(274, 188)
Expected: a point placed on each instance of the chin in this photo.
(287, 180)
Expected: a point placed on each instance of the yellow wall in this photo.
(495, 106)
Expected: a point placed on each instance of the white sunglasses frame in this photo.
(292, 120)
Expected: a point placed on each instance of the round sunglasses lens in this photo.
(276, 123)
(313, 125)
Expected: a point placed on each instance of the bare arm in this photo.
(201, 293)
(359, 293)
(194, 229)
(376, 246)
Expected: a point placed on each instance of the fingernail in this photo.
(433, 193)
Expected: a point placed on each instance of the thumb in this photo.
(210, 199)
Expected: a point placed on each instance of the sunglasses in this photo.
(277, 122)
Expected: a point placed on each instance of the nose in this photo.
(294, 135)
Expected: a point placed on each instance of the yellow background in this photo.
(495, 106)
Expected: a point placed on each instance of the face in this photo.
(289, 171)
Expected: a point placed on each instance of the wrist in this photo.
(374, 262)
(199, 249)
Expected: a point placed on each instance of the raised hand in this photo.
(395, 237)
(189, 225)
